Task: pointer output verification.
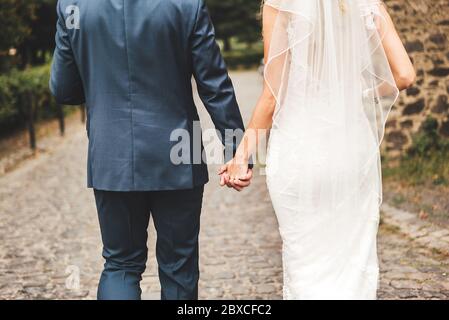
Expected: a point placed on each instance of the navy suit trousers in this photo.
(124, 219)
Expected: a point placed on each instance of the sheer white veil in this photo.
(332, 82)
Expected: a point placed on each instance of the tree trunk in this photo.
(61, 119)
(83, 113)
(227, 44)
(30, 121)
(25, 57)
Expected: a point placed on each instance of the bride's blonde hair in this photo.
(261, 6)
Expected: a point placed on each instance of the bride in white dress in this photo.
(334, 69)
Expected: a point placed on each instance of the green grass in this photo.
(421, 170)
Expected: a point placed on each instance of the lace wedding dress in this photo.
(334, 89)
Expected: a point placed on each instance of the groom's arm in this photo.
(214, 85)
(65, 80)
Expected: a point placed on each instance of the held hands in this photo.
(236, 174)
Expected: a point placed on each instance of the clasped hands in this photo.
(236, 174)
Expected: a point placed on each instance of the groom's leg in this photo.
(176, 216)
(124, 218)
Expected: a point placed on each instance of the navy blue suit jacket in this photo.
(132, 63)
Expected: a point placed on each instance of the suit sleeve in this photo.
(214, 85)
(65, 80)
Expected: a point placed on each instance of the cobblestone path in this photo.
(49, 232)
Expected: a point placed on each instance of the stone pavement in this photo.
(49, 234)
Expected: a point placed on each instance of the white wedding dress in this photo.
(334, 89)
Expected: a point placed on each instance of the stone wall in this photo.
(424, 27)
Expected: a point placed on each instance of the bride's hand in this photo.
(236, 174)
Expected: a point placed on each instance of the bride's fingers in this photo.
(236, 187)
(232, 182)
(237, 184)
(225, 179)
(222, 180)
(242, 183)
(228, 182)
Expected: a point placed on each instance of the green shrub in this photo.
(427, 141)
(22, 90)
(245, 58)
(7, 102)
(427, 159)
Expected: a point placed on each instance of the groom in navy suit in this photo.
(132, 62)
